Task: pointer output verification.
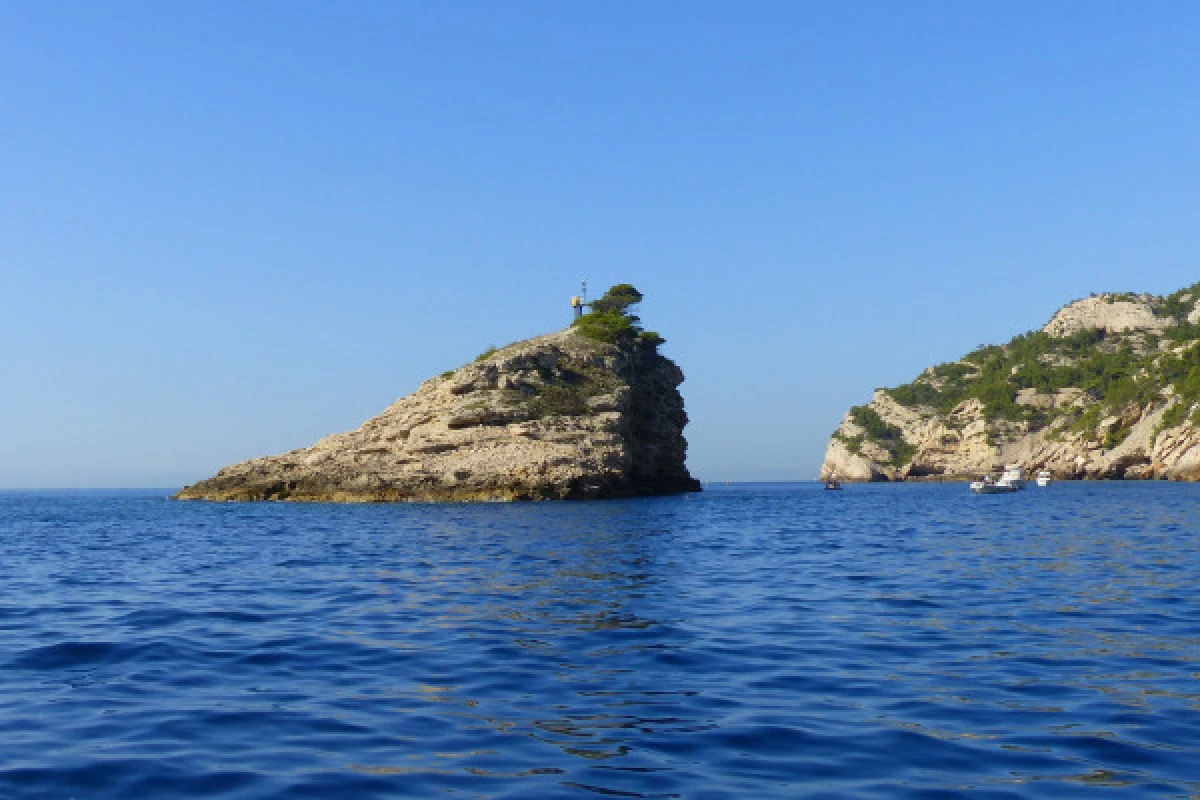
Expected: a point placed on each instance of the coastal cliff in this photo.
(1108, 388)
(588, 412)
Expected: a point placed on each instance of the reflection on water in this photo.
(757, 641)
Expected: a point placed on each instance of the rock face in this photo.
(1109, 388)
(559, 416)
(1108, 313)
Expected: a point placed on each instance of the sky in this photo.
(230, 228)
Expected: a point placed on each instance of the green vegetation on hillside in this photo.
(563, 394)
(1113, 371)
(875, 429)
(1182, 373)
(1114, 374)
(1178, 305)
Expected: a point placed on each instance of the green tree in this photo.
(619, 298)
(611, 318)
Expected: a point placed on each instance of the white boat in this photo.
(1014, 475)
(1011, 480)
(1045, 478)
(989, 484)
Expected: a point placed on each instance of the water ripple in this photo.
(756, 641)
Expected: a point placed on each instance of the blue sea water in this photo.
(753, 641)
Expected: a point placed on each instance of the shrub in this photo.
(917, 393)
(611, 318)
(1087, 421)
(651, 338)
(1173, 417)
(887, 436)
(998, 397)
(566, 394)
(1183, 332)
(1174, 306)
(953, 372)
(619, 298)
(1115, 436)
(553, 401)
(606, 326)
(853, 443)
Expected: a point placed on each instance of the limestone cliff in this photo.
(559, 416)
(1109, 388)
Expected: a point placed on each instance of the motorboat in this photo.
(1045, 478)
(1011, 480)
(990, 484)
(1013, 475)
(832, 484)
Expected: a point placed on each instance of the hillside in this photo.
(1108, 388)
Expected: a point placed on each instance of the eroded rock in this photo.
(559, 416)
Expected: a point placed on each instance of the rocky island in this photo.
(592, 411)
(1108, 388)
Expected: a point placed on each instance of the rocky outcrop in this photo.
(1108, 313)
(559, 416)
(1109, 388)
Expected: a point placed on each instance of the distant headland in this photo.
(592, 411)
(1108, 388)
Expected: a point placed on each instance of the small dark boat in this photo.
(832, 484)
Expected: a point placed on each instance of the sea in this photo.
(750, 641)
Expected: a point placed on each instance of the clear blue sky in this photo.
(229, 228)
